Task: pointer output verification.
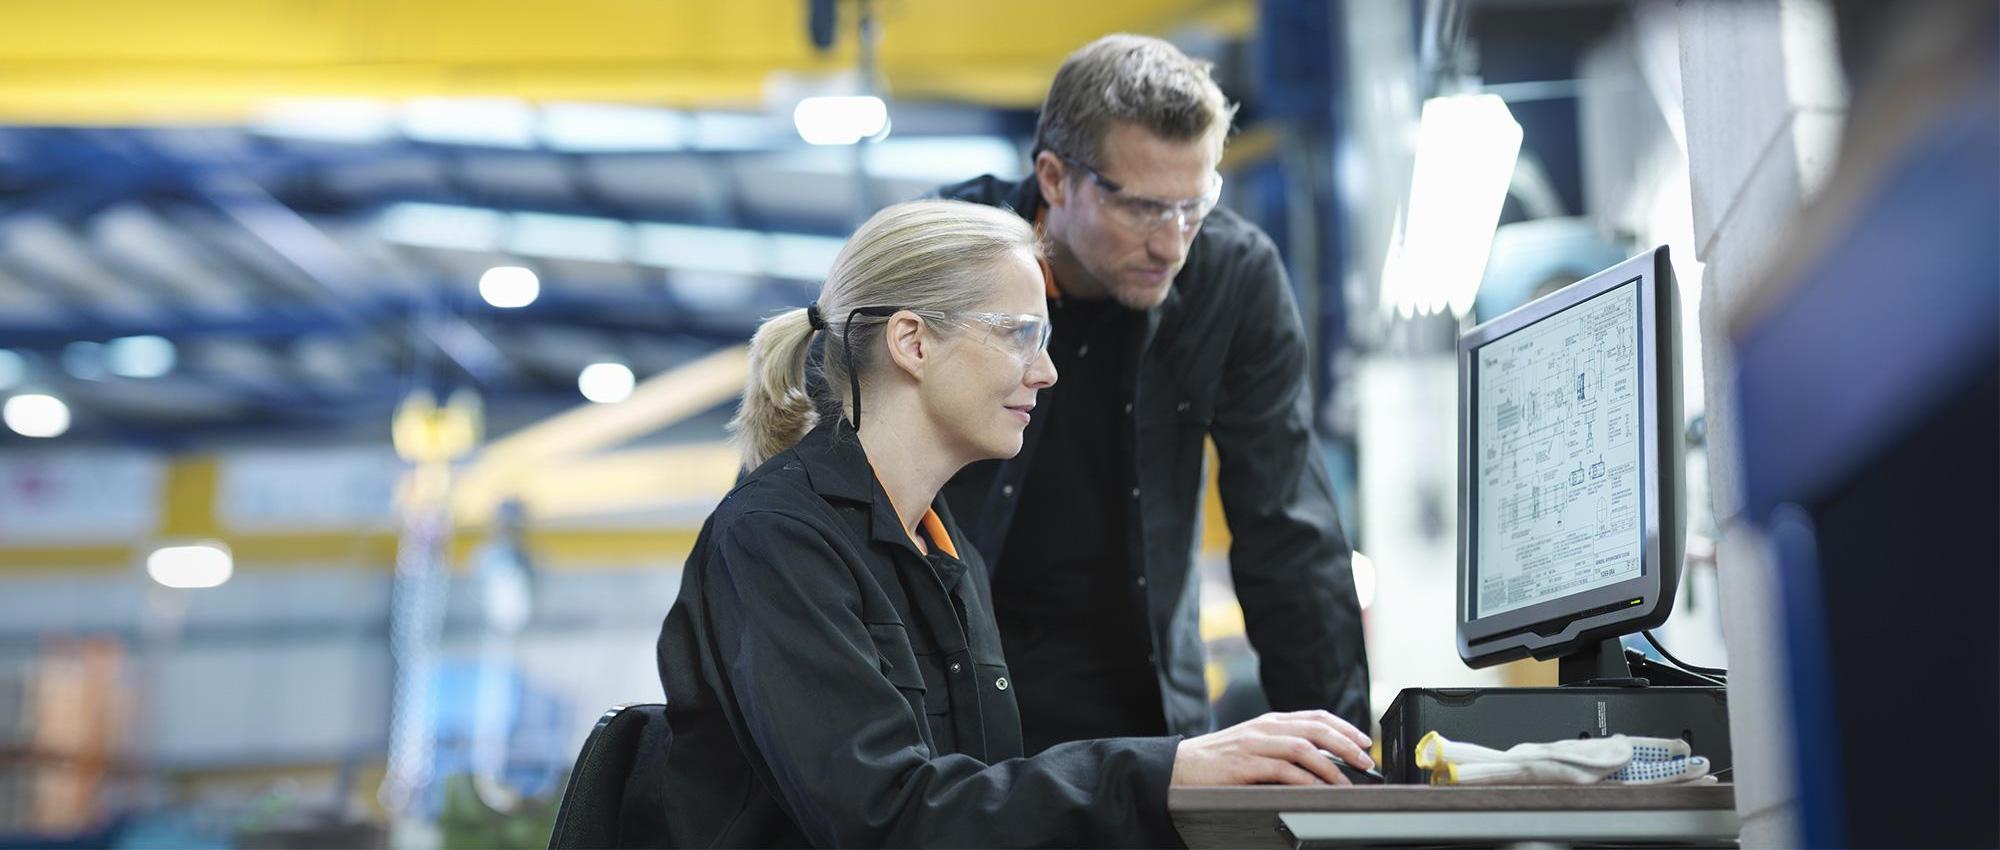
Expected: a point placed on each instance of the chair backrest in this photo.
(591, 814)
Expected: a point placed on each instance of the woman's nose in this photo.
(1041, 371)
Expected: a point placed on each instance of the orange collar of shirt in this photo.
(1048, 270)
(932, 526)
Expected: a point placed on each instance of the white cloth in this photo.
(1620, 759)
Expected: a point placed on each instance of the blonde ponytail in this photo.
(776, 412)
(928, 255)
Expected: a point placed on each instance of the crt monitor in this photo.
(1569, 472)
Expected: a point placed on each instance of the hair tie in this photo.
(813, 317)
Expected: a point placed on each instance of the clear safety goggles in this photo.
(1022, 336)
(1141, 214)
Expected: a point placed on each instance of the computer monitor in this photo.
(1570, 472)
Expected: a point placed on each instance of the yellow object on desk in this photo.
(1620, 759)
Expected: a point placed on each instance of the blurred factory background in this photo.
(364, 365)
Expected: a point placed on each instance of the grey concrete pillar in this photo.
(1763, 101)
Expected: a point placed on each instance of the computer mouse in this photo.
(1356, 775)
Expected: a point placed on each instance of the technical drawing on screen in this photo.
(1559, 455)
(1569, 470)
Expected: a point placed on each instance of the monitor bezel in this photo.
(1568, 620)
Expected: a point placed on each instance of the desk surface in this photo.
(1248, 816)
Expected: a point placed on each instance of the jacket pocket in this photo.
(895, 657)
(900, 666)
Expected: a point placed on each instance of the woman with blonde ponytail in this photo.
(776, 412)
(832, 669)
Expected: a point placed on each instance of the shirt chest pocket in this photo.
(910, 673)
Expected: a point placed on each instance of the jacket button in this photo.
(1128, 408)
(1153, 659)
(1135, 492)
(1007, 490)
(1182, 407)
(1142, 581)
(955, 667)
(1082, 350)
(1001, 683)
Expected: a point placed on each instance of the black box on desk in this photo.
(1502, 717)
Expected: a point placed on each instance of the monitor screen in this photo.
(1560, 507)
(1569, 471)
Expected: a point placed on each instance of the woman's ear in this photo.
(909, 348)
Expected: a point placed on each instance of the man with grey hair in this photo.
(1174, 321)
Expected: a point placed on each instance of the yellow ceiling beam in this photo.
(614, 483)
(112, 61)
(510, 466)
(552, 549)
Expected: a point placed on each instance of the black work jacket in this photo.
(828, 685)
(1224, 357)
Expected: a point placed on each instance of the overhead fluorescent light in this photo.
(840, 120)
(195, 566)
(608, 128)
(1466, 149)
(139, 356)
(85, 359)
(725, 250)
(441, 226)
(606, 383)
(941, 159)
(36, 415)
(13, 369)
(508, 287)
(711, 292)
(800, 257)
(921, 159)
(711, 249)
(733, 131)
(569, 237)
(347, 120)
(486, 122)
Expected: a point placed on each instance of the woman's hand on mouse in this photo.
(1279, 747)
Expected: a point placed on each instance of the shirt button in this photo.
(1128, 408)
(1001, 683)
(1007, 490)
(1135, 492)
(1182, 407)
(955, 666)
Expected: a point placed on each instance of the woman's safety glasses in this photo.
(1021, 336)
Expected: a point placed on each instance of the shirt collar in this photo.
(1048, 270)
(836, 467)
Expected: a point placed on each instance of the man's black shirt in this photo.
(1071, 612)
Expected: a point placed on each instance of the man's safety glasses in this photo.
(1145, 215)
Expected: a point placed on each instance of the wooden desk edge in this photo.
(1445, 798)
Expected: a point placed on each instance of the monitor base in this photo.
(1609, 664)
(1602, 665)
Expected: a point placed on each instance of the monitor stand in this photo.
(1608, 664)
(1601, 665)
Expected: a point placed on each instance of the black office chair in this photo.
(592, 816)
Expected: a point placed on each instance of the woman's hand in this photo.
(1280, 747)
